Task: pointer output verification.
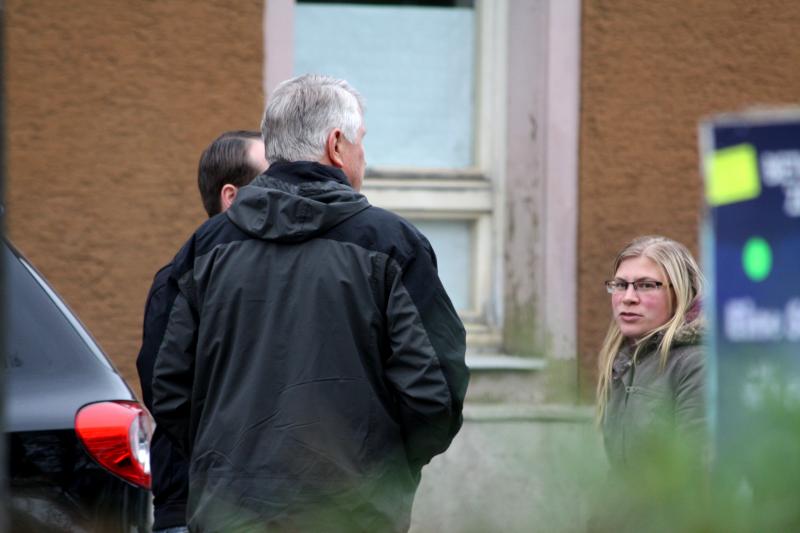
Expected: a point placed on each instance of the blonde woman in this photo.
(652, 383)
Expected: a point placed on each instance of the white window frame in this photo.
(457, 197)
(478, 193)
(468, 194)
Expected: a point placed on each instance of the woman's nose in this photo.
(630, 294)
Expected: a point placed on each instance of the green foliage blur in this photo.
(747, 482)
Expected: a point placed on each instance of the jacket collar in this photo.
(300, 172)
(295, 202)
(690, 333)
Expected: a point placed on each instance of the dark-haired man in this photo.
(230, 162)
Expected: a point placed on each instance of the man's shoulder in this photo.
(217, 230)
(382, 231)
(160, 281)
(378, 214)
(161, 277)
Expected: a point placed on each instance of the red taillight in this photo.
(117, 435)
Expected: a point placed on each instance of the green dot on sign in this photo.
(757, 259)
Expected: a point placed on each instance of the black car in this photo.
(77, 439)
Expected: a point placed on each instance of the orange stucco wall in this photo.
(650, 72)
(109, 105)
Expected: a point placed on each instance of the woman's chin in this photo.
(631, 332)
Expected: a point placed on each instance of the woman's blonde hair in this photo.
(686, 281)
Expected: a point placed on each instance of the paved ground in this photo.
(513, 469)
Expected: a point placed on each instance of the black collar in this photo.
(299, 172)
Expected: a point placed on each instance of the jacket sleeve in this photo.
(690, 397)
(156, 314)
(426, 365)
(174, 372)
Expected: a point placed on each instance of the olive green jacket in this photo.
(648, 404)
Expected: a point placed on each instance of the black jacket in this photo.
(168, 467)
(313, 362)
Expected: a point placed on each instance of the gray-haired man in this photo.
(313, 363)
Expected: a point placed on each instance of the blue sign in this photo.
(751, 245)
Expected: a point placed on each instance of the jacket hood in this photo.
(690, 333)
(294, 202)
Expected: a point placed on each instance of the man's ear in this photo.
(227, 195)
(332, 148)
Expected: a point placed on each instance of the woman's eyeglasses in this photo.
(641, 285)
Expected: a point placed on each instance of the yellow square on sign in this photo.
(733, 175)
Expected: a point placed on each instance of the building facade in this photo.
(529, 139)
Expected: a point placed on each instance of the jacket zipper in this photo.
(628, 389)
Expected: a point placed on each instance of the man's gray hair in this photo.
(302, 112)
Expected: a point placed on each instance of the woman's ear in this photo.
(227, 195)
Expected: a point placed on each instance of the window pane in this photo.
(415, 68)
(452, 242)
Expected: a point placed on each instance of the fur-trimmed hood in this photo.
(689, 334)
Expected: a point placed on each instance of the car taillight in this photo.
(117, 435)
